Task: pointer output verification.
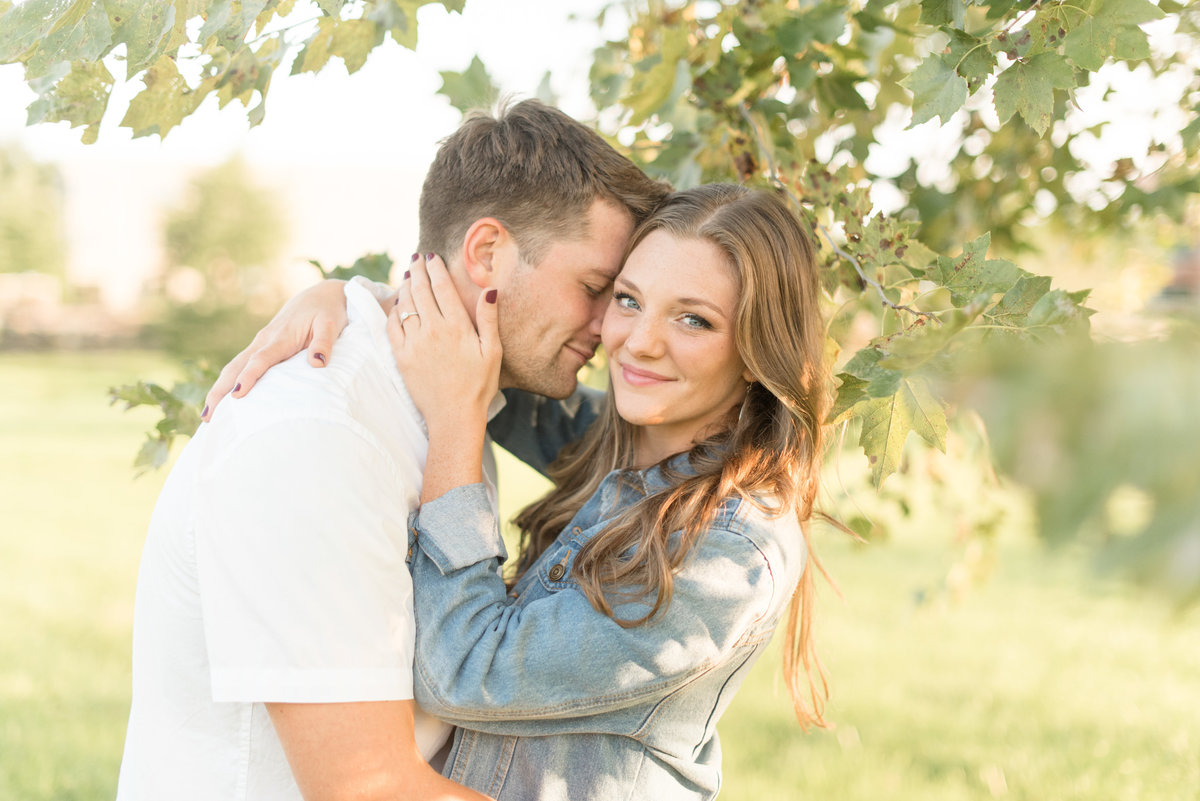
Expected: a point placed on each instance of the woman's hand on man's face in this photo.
(450, 369)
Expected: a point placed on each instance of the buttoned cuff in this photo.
(458, 529)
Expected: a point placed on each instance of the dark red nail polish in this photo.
(204, 413)
(320, 357)
(407, 273)
(414, 258)
(428, 257)
(490, 297)
(236, 388)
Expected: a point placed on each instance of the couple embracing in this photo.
(326, 609)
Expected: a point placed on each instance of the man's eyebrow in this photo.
(678, 301)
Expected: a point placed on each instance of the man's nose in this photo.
(599, 308)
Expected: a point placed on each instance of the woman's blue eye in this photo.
(625, 300)
(696, 321)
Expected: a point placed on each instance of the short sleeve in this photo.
(301, 541)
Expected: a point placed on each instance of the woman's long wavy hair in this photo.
(768, 452)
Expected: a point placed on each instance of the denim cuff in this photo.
(458, 529)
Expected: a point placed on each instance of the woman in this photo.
(654, 573)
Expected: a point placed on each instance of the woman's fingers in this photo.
(423, 299)
(487, 323)
(445, 294)
(226, 381)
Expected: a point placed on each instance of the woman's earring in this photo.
(742, 408)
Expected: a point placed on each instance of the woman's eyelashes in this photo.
(625, 300)
(689, 319)
(695, 321)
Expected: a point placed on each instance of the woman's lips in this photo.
(641, 378)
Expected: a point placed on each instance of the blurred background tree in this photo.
(31, 201)
(220, 283)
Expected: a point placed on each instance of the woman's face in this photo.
(669, 337)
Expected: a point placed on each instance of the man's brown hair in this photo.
(534, 169)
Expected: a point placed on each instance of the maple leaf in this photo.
(887, 422)
(472, 88)
(938, 90)
(1027, 87)
(970, 274)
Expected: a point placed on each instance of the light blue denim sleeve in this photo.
(469, 530)
(487, 662)
(534, 428)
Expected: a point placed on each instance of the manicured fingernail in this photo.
(205, 412)
(236, 388)
(414, 258)
(319, 357)
(407, 273)
(428, 257)
(490, 297)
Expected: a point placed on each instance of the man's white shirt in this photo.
(274, 571)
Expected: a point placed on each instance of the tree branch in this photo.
(773, 173)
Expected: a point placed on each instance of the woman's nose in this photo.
(644, 338)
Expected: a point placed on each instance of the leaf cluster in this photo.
(186, 51)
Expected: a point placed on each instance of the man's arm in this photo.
(361, 751)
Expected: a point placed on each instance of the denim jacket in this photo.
(554, 700)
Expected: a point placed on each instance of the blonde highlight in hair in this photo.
(769, 449)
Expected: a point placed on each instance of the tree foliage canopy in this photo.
(798, 95)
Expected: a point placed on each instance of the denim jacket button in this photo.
(556, 572)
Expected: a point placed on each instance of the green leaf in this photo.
(316, 52)
(142, 26)
(1127, 12)
(1013, 309)
(660, 79)
(82, 33)
(375, 266)
(970, 274)
(152, 455)
(164, 102)
(398, 17)
(1111, 32)
(470, 89)
(80, 98)
(971, 57)
(230, 21)
(838, 92)
(886, 423)
(926, 338)
(331, 7)
(1058, 314)
(1028, 88)
(938, 90)
(353, 40)
(881, 381)
(851, 391)
(944, 12)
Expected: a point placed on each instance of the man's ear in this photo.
(487, 249)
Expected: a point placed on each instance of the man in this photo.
(273, 628)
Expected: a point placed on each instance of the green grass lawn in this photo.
(1039, 684)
